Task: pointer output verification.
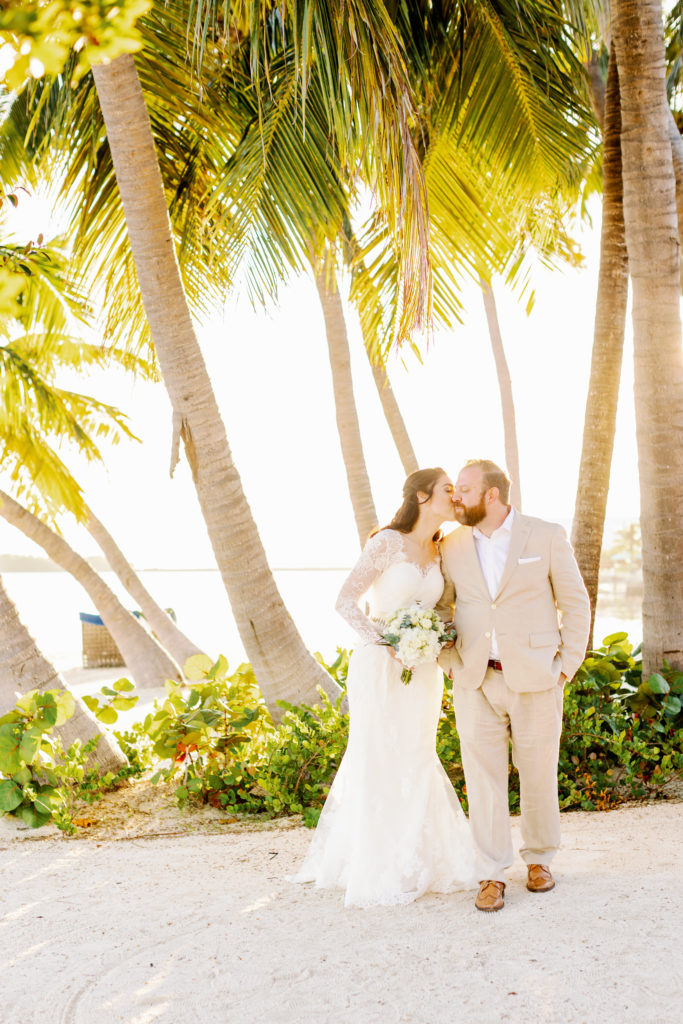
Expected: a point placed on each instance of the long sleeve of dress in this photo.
(378, 554)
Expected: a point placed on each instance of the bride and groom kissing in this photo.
(392, 827)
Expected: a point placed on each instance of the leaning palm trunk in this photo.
(162, 625)
(23, 667)
(347, 415)
(392, 415)
(149, 663)
(506, 398)
(608, 343)
(283, 666)
(677, 156)
(651, 225)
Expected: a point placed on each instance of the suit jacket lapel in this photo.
(518, 537)
(471, 559)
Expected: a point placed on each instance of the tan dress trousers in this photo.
(488, 719)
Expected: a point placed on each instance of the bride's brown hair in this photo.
(423, 481)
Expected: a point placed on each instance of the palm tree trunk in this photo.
(347, 415)
(608, 344)
(651, 224)
(506, 398)
(148, 662)
(283, 666)
(162, 625)
(677, 156)
(392, 415)
(23, 667)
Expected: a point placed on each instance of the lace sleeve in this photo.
(378, 554)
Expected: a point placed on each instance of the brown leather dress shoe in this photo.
(540, 879)
(490, 895)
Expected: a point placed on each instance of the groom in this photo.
(522, 617)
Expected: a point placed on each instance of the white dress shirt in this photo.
(492, 553)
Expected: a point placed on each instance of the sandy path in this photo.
(206, 928)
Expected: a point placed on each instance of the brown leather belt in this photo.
(495, 664)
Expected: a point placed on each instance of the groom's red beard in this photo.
(472, 515)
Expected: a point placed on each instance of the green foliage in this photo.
(339, 669)
(293, 771)
(29, 787)
(623, 735)
(219, 741)
(137, 747)
(622, 738)
(202, 733)
(107, 710)
(40, 781)
(42, 34)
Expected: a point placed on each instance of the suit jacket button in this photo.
(487, 635)
(493, 606)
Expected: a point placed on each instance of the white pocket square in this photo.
(533, 558)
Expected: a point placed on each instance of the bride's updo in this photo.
(422, 481)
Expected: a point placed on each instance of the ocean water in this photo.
(49, 604)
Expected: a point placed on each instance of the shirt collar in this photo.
(505, 527)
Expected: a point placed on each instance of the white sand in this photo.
(205, 927)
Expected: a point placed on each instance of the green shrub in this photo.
(29, 787)
(111, 699)
(623, 735)
(293, 771)
(622, 738)
(202, 733)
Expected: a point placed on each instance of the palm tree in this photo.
(345, 405)
(148, 662)
(393, 416)
(35, 414)
(371, 70)
(506, 398)
(160, 622)
(608, 342)
(23, 667)
(651, 225)
(283, 666)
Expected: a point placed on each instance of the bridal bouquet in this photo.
(417, 635)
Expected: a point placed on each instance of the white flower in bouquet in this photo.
(417, 635)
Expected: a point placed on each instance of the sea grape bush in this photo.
(622, 739)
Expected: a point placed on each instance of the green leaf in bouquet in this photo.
(91, 703)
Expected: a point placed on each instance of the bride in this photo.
(392, 827)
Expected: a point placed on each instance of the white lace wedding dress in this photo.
(392, 827)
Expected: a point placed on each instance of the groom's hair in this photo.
(492, 476)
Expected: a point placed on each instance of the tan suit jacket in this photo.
(541, 613)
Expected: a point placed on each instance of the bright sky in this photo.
(272, 379)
